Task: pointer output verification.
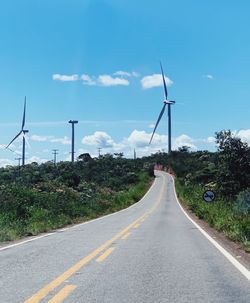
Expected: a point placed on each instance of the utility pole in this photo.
(73, 122)
(55, 153)
(134, 154)
(99, 151)
(19, 165)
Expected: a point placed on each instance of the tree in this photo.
(184, 149)
(233, 171)
(85, 157)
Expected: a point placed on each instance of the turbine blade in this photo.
(24, 113)
(26, 139)
(159, 119)
(10, 149)
(164, 83)
(14, 139)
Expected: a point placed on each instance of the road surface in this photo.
(150, 252)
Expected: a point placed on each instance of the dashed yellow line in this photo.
(126, 236)
(63, 294)
(43, 292)
(105, 254)
(136, 225)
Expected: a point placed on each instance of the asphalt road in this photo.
(149, 252)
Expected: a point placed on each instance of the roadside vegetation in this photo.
(227, 173)
(38, 198)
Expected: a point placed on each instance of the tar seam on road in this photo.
(222, 250)
(42, 293)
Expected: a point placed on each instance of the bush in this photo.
(242, 204)
(29, 210)
(221, 215)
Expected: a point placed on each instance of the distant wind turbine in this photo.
(169, 103)
(22, 133)
(73, 122)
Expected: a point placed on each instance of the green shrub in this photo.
(26, 210)
(230, 218)
(242, 203)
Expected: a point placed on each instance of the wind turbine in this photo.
(73, 122)
(169, 103)
(22, 133)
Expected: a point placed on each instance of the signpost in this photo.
(208, 196)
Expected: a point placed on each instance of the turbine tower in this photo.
(73, 122)
(169, 103)
(22, 133)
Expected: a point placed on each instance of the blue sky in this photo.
(97, 61)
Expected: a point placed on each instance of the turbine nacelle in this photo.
(169, 102)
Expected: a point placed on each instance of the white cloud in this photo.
(13, 147)
(87, 80)
(65, 140)
(184, 140)
(126, 74)
(122, 73)
(102, 80)
(36, 159)
(107, 80)
(151, 125)
(244, 135)
(40, 138)
(210, 77)
(99, 139)
(138, 140)
(5, 162)
(65, 78)
(211, 140)
(154, 80)
(142, 138)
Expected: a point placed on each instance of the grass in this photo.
(45, 211)
(220, 214)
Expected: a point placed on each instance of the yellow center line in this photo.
(68, 273)
(136, 225)
(105, 254)
(126, 236)
(63, 294)
(43, 292)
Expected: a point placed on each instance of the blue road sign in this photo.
(208, 196)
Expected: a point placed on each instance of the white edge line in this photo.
(26, 241)
(80, 224)
(226, 254)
